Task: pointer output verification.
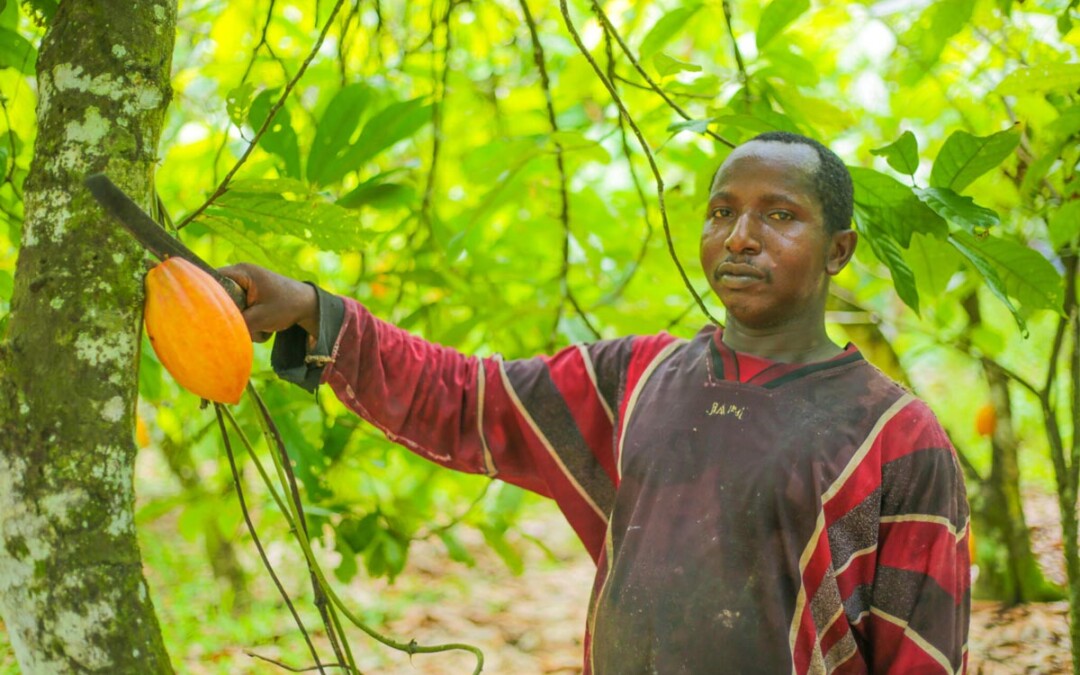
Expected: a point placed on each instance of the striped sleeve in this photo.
(545, 424)
(919, 601)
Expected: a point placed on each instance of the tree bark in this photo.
(72, 592)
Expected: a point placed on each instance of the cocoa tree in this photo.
(72, 592)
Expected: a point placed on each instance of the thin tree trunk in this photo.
(72, 592)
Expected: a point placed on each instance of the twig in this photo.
(251, 529)
(291, 518)
(609, 28)
(273, 437)
(645, 148)
(291, 669)
(221, 189)
(738, 54)
(458, 518)
(611, 295)
(436, 110)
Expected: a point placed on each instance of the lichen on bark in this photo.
(72, 593)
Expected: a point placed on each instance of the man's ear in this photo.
(841, 248)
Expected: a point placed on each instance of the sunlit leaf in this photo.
(894, 206)
(777, 16)
(1015, 271)
(1041, 78)
(280, 137)
(1064, 225)
(964, 157)
(958, 209)
(328, 226)
(664, 30)
(889, 252)
(16, 52)
(334, 133)
(667, 65)
(238, 103)
(932, 263)
(902, 154)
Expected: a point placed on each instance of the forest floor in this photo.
(527, 624)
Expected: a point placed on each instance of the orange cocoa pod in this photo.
(197, 332)
(142, 432)
(986, 420)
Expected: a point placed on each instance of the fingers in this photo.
(241, 273)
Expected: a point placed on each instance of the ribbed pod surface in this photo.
(197, 332)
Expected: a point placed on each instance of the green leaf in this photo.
(16, 52)
(893, 206)
(963, 157)
(959, 210)
(327, 226)
(335, 130)
(1064, 225)
(1041, 78)
(358, 534)
(496, 539)
(777, 16)
(280, 138)
(7, 284)
(458, 553)
(666, 65)
(43, 10)
(888, 251)
(1014, 271)
(696, 126)
(238, 102)
(377, 192)
(932, 263)
(390, 125)
(902, 154)
(665, 30)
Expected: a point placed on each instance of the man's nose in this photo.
(743, 237)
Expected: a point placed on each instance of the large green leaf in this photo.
(16, 52)
(280, 138)
(392, 124)
(327, 226)
(1041, 78)
(959, 210)
(893, 206)
(933, 264)
(888, 251)
(666, 65)
(1012, 270)
(964, 157)
(379, 192)
(777, 16)
(902, 154)
(334, 133)
(665, 30)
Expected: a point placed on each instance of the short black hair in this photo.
(832, 180)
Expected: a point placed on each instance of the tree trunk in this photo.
(1012, 574)
(72, 592)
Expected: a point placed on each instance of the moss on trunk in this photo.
(72, 593)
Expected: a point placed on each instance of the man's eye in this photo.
(721, 212)
(781, 215)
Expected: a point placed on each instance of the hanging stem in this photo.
(218, 408)
(645, 148)
(291, 517)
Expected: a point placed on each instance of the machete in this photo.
(152, 236)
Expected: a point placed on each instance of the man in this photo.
(757, 499)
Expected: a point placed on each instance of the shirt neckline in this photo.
(725, 363)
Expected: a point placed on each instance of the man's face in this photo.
(764, 247)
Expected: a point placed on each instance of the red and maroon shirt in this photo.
(744, 515)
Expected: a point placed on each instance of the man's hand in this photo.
(274, 302)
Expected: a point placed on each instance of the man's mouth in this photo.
(737, 275)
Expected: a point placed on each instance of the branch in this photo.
(564, 195)
(291, 669)
(738, 54)
(439, 95)
(254, 536)
(644, 146)
(223, 187)
(608, 27)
